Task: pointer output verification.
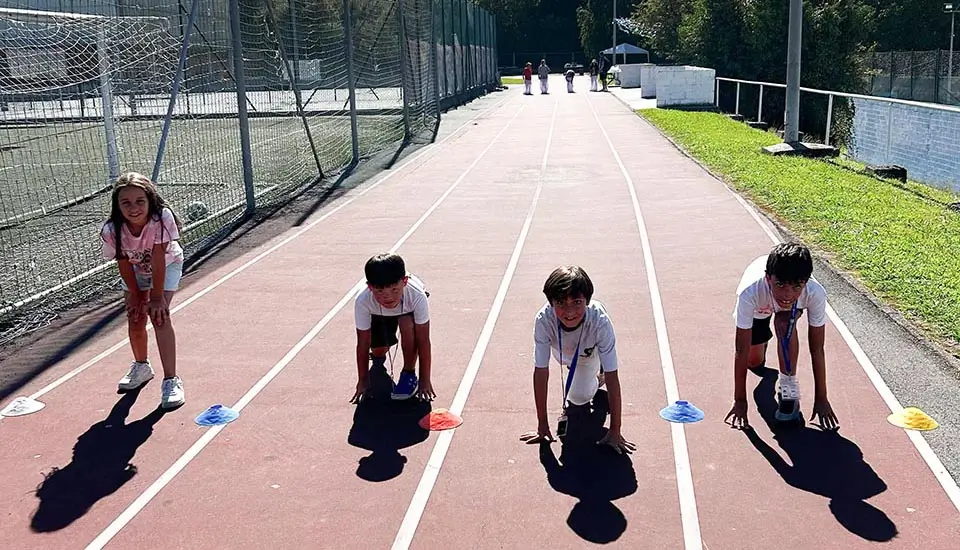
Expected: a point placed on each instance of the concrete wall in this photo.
(925, 141)
(648, 80)
(684, 85)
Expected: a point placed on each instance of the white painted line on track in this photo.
(688, 502)
(131, 511)
(418, 504)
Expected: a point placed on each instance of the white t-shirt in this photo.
(597, 341)
(414, 300)
(755, 298)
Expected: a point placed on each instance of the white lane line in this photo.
(418, 504)
(688, 502)
(127, 515)
(102, 355)
(940, 471)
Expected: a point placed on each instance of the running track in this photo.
(483, 216)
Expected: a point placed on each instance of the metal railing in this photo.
(830, 95)
(918, 136)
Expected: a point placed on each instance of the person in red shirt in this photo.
(528, 79)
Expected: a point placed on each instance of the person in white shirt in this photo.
(393, 299)
(576, 331)
(543, 71)
(780, 285)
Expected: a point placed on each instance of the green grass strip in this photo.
(899, 240)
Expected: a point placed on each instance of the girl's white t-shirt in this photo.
(138, 250)
(755, 298)
(598, 347)
(414, 301)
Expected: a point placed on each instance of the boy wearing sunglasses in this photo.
(780, 286)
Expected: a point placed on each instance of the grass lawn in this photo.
(899, 240)
(507, 80)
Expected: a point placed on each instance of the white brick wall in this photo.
(684, 85)
(648, 80)
(925, 141)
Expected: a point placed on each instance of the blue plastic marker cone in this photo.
(681, 412)
(216, 415)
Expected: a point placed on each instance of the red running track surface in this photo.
(482, 217)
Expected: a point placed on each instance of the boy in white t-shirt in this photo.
(780, 285)
(576, 332)
(392, 300)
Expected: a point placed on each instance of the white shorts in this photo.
(171, 281)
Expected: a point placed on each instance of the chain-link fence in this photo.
(919, 76)
(232, 106)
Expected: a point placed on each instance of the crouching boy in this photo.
(578, 333)
(780, 286)
(393, 300)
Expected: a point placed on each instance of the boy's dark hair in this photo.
(568, 281)
(384, 270)
(790, 263)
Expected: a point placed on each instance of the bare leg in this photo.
(780, 326)
(758, 354)
(408, 343)
(137, 330)
(167, 343)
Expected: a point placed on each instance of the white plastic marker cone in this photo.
(22, 406)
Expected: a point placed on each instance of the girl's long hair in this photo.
(154, 200)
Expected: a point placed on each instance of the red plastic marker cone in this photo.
(440, 419)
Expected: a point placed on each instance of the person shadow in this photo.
(594, 474)
(383, 427)
(101, 464)
(823, 463)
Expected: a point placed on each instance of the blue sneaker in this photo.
(406, 385)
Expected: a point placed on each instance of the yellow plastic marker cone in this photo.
(912, 418)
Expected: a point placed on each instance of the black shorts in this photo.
(383, 330)
(762, 333)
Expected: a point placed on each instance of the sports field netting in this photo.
(85, 94)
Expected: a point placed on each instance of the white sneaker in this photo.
(171, 393)
(138, 375)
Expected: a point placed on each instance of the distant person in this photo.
(604, 68)
(528, 79)
(594, 73)
(543, 71)
(780, 285)
(150, 260)
(576, 331)
(393, 300)
(569, 76)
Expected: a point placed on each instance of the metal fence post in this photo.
(348, 53)
(760, 106)
(234, 6)
(443, 45)
(404, 79)
(826, 140)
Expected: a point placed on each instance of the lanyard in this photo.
(573, 363)
(785, 342)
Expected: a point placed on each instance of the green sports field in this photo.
(54, 178)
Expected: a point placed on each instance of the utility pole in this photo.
(791, 131)
(614, 22)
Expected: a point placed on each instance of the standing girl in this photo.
(151, 263)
